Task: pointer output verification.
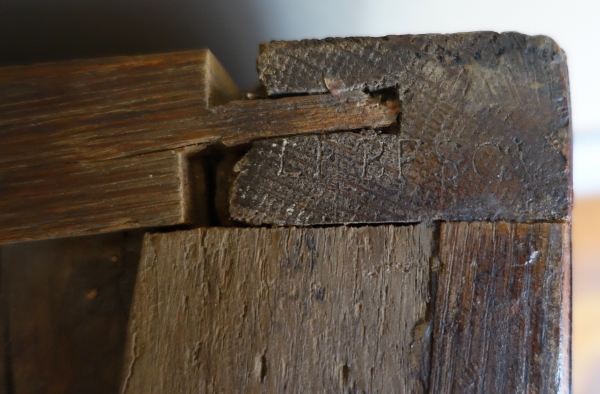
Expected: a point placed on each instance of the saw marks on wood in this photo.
(484, 131)
(282, 310)
(502, 311)
(368, 177)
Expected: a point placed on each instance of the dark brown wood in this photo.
(502, 311)
(94, 197)
(68, 305)
(484, 133)
(369, 177)
(472, 126)
(339, 309)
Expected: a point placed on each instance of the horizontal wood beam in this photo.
(88, 198)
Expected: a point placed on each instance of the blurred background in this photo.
(45, 30)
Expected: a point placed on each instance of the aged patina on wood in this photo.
(292, 309)
(227, 310)
(484, 133)
(502, 309)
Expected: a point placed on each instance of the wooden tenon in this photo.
(441, 165)
(93, 146)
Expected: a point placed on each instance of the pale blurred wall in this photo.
(39, 30)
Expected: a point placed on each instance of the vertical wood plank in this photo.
(68, 303)
(224, 310)
(502, 312)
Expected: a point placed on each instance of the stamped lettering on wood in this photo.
(373, 177)
(483, 134)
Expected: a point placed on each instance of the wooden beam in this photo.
(273, 310)
(502, 311)
(96, 197)
(369, 177)
(484, 133)
(50, 110)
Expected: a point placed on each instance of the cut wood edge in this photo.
(221, 89)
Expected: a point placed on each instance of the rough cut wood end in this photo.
(484, 133)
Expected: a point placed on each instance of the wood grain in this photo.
(484, 133)
(87, 198)
(368, 177)
(502, 311)
(120, 107)
(50, 110)
(341, 309)
(81, 141)
(68, 303)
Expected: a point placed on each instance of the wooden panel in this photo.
(85, 198)
(502, 311)
(368, 177)
(69, 302)
(281, 310)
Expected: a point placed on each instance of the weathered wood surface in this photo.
(367, 177)
(502, 311)
(76, 137)
(339, 309)
(68, 306)
(484, 133)
(93, 197)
